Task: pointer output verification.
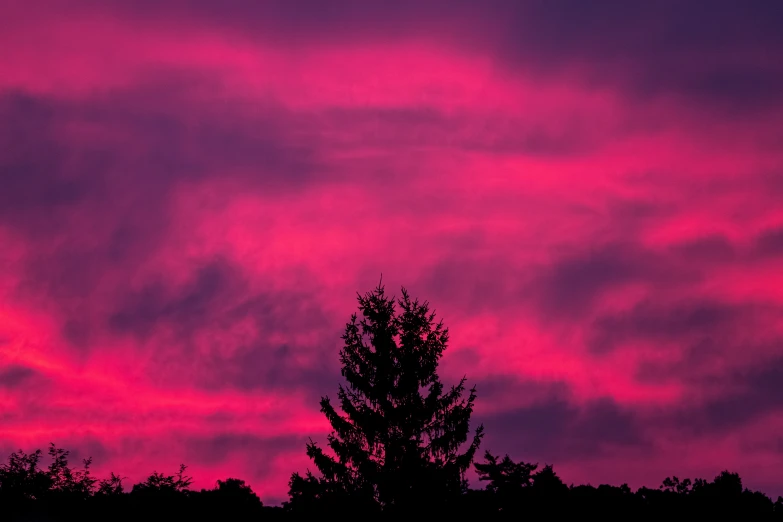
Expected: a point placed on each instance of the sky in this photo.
(587, 193)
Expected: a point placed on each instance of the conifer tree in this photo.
(397, 443)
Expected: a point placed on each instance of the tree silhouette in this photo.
(233, 488)
(158, 483)
(397, 444)
(547, 482)
(110, 486)
(508, 482)
(78, 484)
(22, 478)
(506, 476)
(674, 485)
(231, 499)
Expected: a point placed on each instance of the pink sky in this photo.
(589, 197)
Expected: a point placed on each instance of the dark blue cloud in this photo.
(572, 283)
(216, 296)
(14, 376)
(770, 243)
(717, 54)
(687, 321)
(557, 430)
(710, 250)
(746, 394)
(217, 448)
(40, 176)
(215, 300)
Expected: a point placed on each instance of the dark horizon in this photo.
(588, 193)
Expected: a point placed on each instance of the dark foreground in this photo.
(723, 497)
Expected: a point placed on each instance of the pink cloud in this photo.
(190, 206)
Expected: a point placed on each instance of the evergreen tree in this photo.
(505, 476)
(397, 443)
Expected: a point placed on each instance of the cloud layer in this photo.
(588, 196)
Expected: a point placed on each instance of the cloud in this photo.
(14, 376)
(587, 195)
(188, 308)
(770, 243)
(37, 180)
(573, 283)
(750, 394)
(649, 50)
(714, 248)
(557, 430)
(686, 321)
(215, 449)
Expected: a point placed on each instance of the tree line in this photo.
(401, 444)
